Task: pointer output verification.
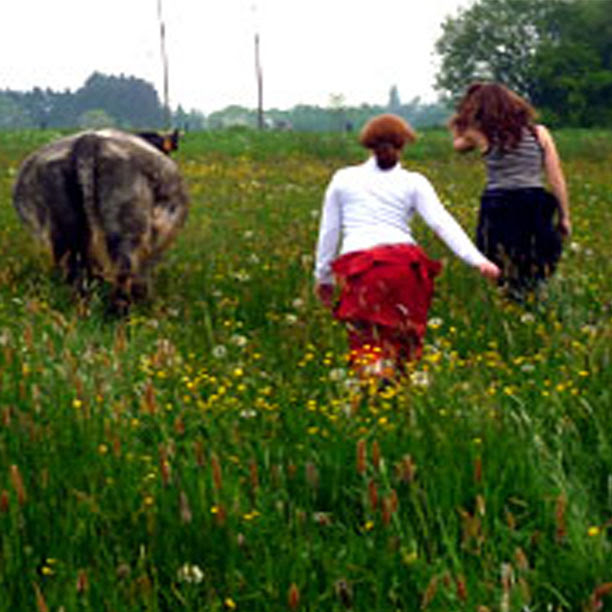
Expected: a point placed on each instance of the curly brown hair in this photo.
(497, 112)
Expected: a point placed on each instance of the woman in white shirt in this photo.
(365, 245)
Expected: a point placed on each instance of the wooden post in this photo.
(258, 72)
(164, 56)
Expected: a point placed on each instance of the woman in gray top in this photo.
(521, 224)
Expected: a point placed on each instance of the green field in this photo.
(213, 452)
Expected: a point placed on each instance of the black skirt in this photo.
(517, 230)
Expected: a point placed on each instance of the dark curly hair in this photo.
(497, 112)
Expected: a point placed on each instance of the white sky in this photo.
(309, 49)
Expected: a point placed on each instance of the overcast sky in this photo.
(309, 49)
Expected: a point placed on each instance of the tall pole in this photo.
(259, 74)
(164, 57)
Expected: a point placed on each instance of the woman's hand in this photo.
(325, 293)
(565, 226)
(489, 270)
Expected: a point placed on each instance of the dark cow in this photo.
(107, 204)
(166, 143)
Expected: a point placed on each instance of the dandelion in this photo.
(420, 378)
(337, 374)
(229, 603)
(435, 323)
(409, 557)
(219, 351)
(237, 340)
(190, 573)
(593, 531)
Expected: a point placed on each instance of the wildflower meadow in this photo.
(212, 451)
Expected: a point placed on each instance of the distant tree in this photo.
(132, 101)
(233, 116)
(394, 105)
(337, 103)
(96, 119)
(193, 120)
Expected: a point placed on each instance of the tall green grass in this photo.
(213, 452)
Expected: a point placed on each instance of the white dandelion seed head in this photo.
(190, 573)
(337, 374)
(420, 378)
(219, 351)
(352, 384)
(239, 340)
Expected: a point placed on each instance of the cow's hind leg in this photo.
(122, 291)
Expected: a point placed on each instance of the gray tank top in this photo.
(516, 168)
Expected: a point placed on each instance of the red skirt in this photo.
(385, 294)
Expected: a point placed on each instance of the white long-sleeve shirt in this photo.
(365, 207)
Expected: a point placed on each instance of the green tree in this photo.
(557, 53)
(133, 102)
(12, 114)
(495, 40)
(572, 76)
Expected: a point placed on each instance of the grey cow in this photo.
(107, 204)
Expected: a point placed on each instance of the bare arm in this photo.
(466, 139)
(555, 177)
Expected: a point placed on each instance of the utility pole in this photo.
(258, 72)
(164, 57)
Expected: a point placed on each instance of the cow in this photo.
(166, 143)
(107, 204)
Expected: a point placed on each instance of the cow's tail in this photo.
(85, 167)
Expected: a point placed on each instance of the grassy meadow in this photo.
(213, 452)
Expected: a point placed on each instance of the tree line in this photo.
(122, 101)
(132, 103)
